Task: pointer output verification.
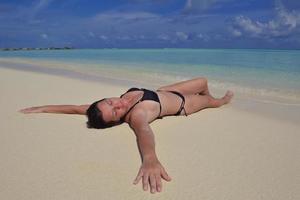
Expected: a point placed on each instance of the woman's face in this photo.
(113, 109)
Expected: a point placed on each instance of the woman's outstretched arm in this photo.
(60, 109)
(151, 170)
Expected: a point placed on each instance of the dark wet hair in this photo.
(95, 118)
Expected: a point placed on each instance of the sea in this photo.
(264, 75)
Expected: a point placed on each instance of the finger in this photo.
(153, 183)
(165, 175)
(158, 183)
(145, 181)
(25, 110)
(138, 177)
(22, 111)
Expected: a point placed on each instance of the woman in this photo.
(140, 107)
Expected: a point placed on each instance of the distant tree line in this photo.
(30, 49)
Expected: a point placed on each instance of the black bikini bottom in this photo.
(182, 103)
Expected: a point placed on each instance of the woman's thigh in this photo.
(195, 103)
(188, 87)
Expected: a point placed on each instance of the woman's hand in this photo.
(37, 109)
(152, 171)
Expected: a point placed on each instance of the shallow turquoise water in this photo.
(248, 71)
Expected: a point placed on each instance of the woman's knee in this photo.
(195, 103)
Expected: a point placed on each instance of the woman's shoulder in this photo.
(137, 117)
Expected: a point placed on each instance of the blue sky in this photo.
(150, 24)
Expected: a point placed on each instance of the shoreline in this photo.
(277, 110)
(135, 73)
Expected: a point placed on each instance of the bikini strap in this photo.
(159, 110)
(123, 118)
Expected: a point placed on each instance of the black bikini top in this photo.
(148, 95)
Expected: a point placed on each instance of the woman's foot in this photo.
(228, 96)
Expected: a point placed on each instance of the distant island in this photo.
(31, 49)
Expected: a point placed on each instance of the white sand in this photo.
(215, 154)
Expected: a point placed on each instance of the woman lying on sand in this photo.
(140, 107)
